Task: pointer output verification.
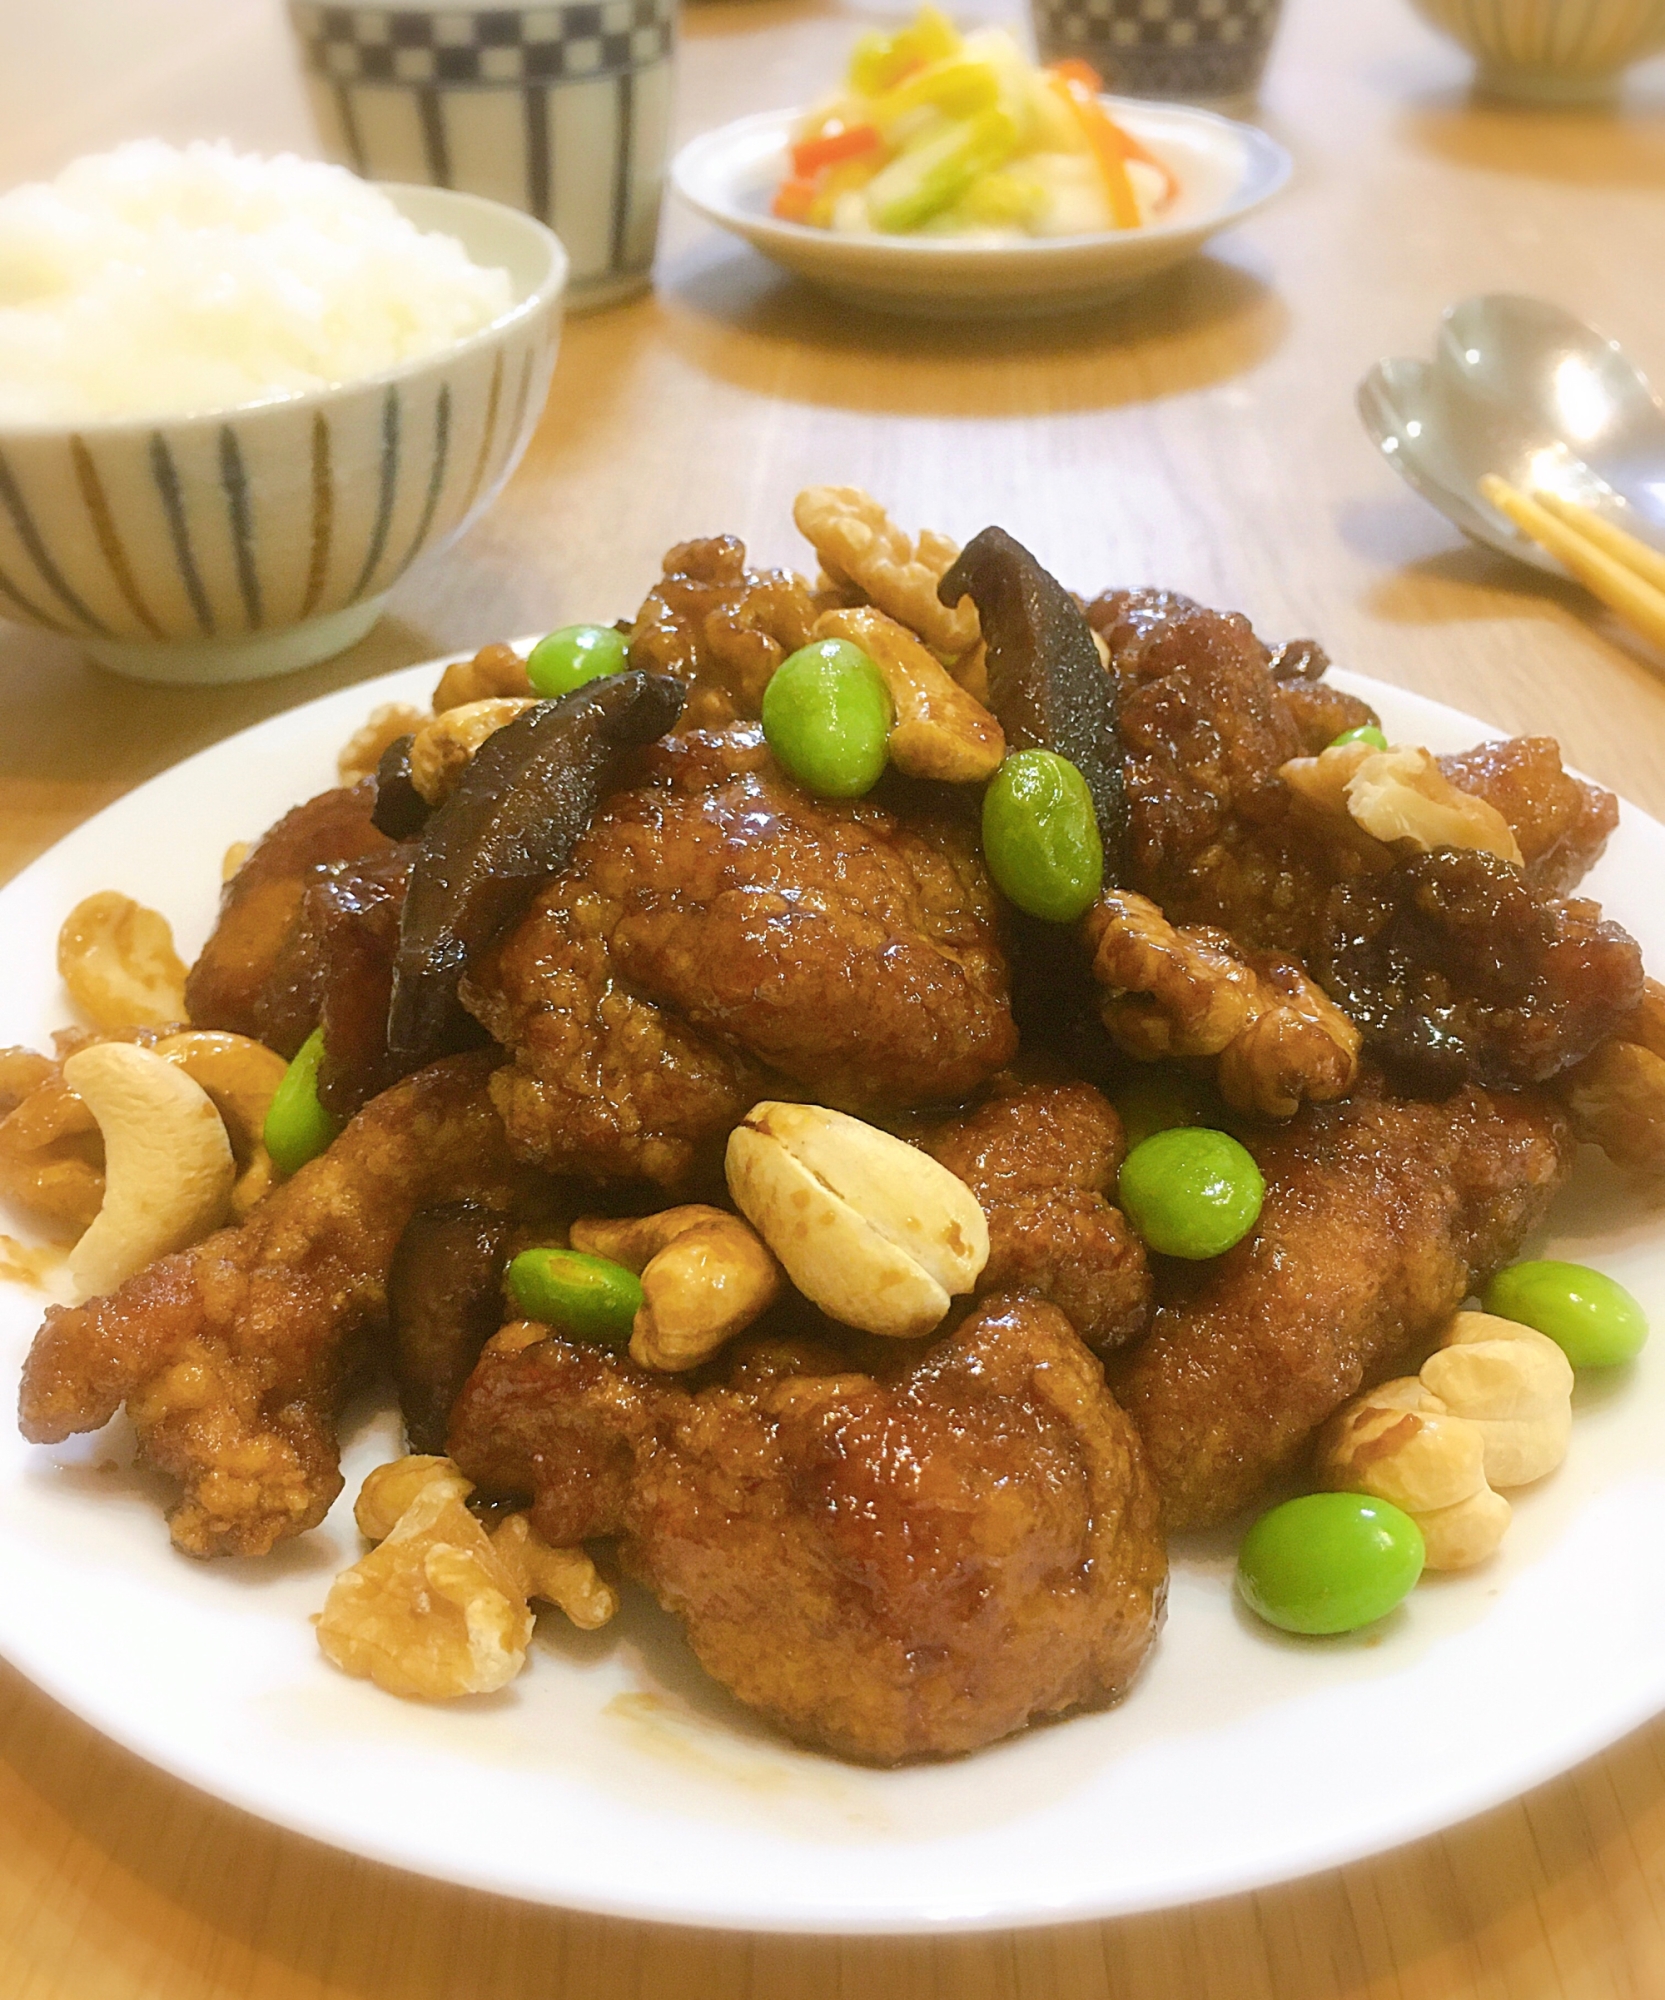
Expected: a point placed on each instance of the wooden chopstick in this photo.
(1603, 564)
(1624, 548)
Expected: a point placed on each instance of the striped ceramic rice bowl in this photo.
(250, 542)
(1551, 50)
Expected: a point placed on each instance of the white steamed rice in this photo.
(155, 282)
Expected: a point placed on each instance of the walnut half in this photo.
(1277, 1040)
(433, 1611)
(439, 1608)
(866, 556)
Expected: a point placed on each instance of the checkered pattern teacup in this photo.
(560, 110)
(1162, 48)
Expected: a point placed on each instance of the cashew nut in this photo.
(118, 961)
(1514, 1385)
(1492, 1407)
(241, 1076)
(444, 746)
(705, 1277)
(939, 731)
(168, 1166)
(877, 1234)
(1398, 1443)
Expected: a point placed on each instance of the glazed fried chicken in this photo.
(260, 907)
(892, 1566)
(1455, 968)
(1042, 1160)
(719, 931)
(232, 1357)
(307, 930)
(1457, 971)
(719, 627)
(1380, 1217)
(1617, 1096)
(1561, 822)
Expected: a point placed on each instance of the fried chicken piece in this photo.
(891, 1566)
(720, 628)
(335, 971)
(1150, 633)
(232, 1356)
(261, 905)
(1457, 971)
(1617, 1095)
(1380, 1218)
(1455, 967)
(495, 672)
(1561, 822)
(720, 930)
(444, 1302)
(1277, 1041)
(1217, 837)
(1042, 1160)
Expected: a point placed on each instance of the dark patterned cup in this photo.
(1195, 49)
(562, 110)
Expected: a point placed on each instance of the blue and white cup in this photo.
(563, 111)
(1207, 51)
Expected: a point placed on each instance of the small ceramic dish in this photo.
(1225, 172)
(252, 541)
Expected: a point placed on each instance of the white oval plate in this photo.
(1225, 171)
(613, 1777)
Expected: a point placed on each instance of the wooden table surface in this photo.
(1200, 436)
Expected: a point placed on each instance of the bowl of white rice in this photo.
(239, 397)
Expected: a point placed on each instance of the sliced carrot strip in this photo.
(793, 199)
(828, 147)
(1105, 138)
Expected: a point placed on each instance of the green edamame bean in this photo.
(1191, 1192)
(1329, 1562)
(298, 1128)
(1157, 1099)
(827, 717)
(575, 654)
(590, 1298)
(1040, 836)
(1590, 1316)
(1367, 732)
